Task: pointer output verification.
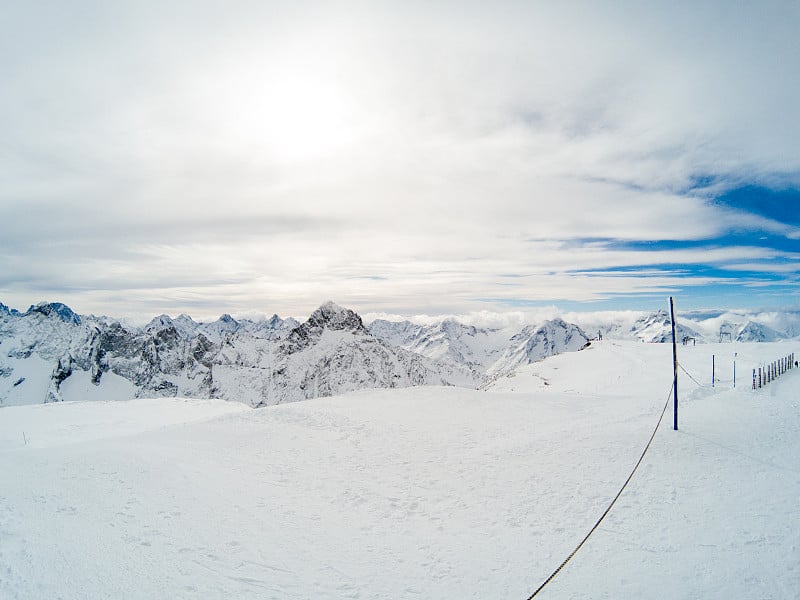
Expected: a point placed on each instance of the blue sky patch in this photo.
(777, 204)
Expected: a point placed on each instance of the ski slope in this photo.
(420, 492)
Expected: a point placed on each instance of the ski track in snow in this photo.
(416, 493)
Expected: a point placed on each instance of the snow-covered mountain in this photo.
(396, 333)
(706, 326)
(49, 353)
(657, 328)
(537, 342)
(448, 340)
(337, 353)
(331, 353)
(485, 350)
(756, 332)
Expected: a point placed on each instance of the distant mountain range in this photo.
(49, 353)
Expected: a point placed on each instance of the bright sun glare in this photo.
(294, 115)
(306, 117)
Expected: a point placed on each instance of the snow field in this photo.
(414, 493)
(713, 512)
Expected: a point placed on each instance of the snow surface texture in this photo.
(425, 492)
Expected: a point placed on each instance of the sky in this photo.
(401, 157)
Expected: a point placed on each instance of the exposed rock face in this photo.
(60, 373)
(62, 311)
(328, 317)
(335, 318)
(158, 359)
(149, 358)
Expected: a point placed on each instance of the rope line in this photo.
(610, 506)
(690, 376)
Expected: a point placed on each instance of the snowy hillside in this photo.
(423, 492)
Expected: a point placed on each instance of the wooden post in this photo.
(674, 368)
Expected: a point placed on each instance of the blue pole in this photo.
(713, 365)
(674, 368)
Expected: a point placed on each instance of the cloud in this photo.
(398, 157)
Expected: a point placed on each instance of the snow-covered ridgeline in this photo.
(49, 353)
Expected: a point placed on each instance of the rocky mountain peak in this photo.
(56, 310)
(657, 328)
(332, 316)
(159, 322)
(756, 332)
(328, 317)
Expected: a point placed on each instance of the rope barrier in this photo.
(610, 506)
(690, 376)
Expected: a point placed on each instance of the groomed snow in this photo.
(417, 493)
